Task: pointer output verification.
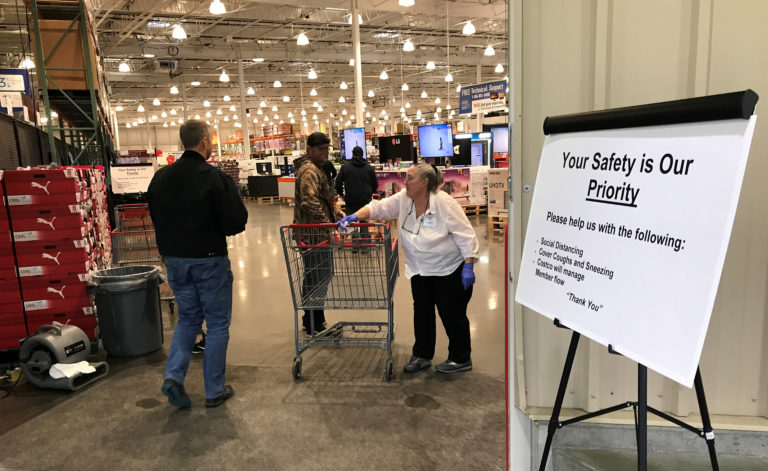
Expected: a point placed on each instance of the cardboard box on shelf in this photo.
(497, 192)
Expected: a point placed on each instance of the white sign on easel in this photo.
(628, 233)
(131, 179)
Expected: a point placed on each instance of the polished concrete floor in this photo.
(340, 415)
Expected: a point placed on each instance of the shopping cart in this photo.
(332, 270)
(133, 242)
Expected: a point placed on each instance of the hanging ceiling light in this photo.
(174, 90)
(344, 112)
(341, 99)
(343, 86)
(173, 112)
(156, 102)
(251, 91)
(469, 28)
(119, 108)
(276, 116)
(123, 67)
(314, 117)
(226, 118)
(303, 112)
(154, 118)
(231, 107)
(405, 87)
(259, 112)
(290, 115)
(218, 112)
(234, 117)
(458, 88)
(407, 104)
(227, 98)
(319, 109)
(312, 74)
(437, 101)
(163, 114)
(217, 8)
(274, 107)
(286, 98)
(208, 114)
(499, 68)
(424, 94)
(179, 121)
(447, 107)
(489, 51)
(431, 65)
(315, 104)
(262, 104)
(371, 94)
(178, 32)
(302, 39)
(408, 46)
(402, 110)
(127, 125)
(313, 92)
(223, 77)
(384, 75)
(351, 62)
(165, 125)
(439, 109)
(140, 109)
(449, 77)
(359, 18)
(277, 84)
(293, 120)
(195, 83)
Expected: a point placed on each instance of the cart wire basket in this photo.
(328, 269)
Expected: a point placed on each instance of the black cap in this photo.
(318, 139)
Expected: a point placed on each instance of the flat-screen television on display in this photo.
(436, 140)
(500, 138)
(476, 154)
(461, 155)
(396, 147)
(349, 139)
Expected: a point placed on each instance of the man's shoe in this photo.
(226, 393)
(449, 366)
(415, 364)
(199, 347)
(176, 394)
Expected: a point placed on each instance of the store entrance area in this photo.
(340, 415)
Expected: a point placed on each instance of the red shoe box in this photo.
(46, 212)
(6, 258)
(87, 322)
(58, 271)
(10, 295)
(57, 174)
(13, 328)
(47, 200)
(54, 254)
(51, 229)
(66, 290)
(8, 273)
(44, 187)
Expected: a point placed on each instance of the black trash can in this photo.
(128, 308)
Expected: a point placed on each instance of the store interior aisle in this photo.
(341, 415)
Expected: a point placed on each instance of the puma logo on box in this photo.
(51, 257)
(49, 223)
(44, 188)
(60, 292)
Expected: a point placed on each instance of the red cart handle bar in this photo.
(329, 225)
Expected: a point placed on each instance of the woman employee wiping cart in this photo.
(440, 251)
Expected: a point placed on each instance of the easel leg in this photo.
(709, 434)
(642, 417)
(555, 419)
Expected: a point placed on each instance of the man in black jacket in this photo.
(356, 183)
(194, 206)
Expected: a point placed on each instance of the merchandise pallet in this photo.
(496, 225)
(13, 326)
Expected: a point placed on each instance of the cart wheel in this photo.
(296, 370)
(388, 370)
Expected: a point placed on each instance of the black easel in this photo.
(640, 407)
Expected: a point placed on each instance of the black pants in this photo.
(451, 299)
(318, 271)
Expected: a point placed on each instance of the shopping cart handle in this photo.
(329, 225)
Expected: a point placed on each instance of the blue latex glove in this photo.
(468, 275)
(346, 221)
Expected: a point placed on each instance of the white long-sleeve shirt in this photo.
(434, 243)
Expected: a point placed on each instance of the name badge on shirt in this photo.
(430, 221)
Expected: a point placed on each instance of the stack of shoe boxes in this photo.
(12, 325)
(52, 220)
(96, 207)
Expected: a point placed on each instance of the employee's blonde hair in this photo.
(433, 175)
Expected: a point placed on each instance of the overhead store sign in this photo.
(14, 80)
(483, 97)
(628, 233)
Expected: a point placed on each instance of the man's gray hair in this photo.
(192, 132)
(433, 175)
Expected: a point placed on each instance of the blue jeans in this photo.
(203, 291)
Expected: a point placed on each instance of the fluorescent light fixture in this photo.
(312, 74)
(469, 28)
(402, 110)
(290, 115)
(127, 125)
(319, 109)
(163, 114)
(343, 86)
(218, 112)
(431, 65)
(227, 98)
(140, 109)
(447, 107)
(54, 114)
(251, 91)
(449, 77)
(226, 118)
(154, 117)
(123, 67)
(173, 112)
(119, 108)
(302, 39)
(342, 99)
(165, 125)
(156, 102)
(223, 77)
(424, 94)
(286, 99)
(359, 18)
(234, 117)
(303, 112)
(195, 83)
(259, 112)
(352, 62)
(276, 116)
(174, 90)
(277, 84)
(258, 59)
(489, 51)
(344, 112)
(148, 55)
(262, 104)
(208, 114)
(217, 8)
(458, 88)
(408, 46)
(231, 107)
(274, 107)
(371, 94)
(405, 87)
(484, 135)
(313, 92)
(407, 104)
(384, 75)
(178, 32)
(314, 116)
(439, 109)
(499, 68)
(437, 101)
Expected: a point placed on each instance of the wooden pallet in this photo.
(496, 225)
(262, 199)
(474, 209)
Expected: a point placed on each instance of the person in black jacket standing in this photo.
(356, 183)
(194, 206)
